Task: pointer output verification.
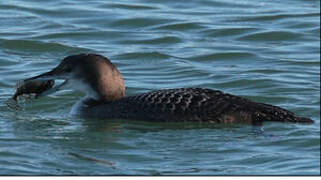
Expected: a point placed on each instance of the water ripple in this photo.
(277, 16)
(272, 36)
(133, 7)
(181, 26)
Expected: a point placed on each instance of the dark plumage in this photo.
(191, 104)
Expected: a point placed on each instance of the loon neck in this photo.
(99, 79)
(105, 80)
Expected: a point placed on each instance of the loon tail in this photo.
(266, 112)
(298, 119)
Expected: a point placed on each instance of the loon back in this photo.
(190, 104)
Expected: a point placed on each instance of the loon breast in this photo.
(190, 104)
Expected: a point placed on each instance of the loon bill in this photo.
(105, 97)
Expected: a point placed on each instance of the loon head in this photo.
(91, 74)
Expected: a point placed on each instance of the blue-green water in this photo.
(264, 50)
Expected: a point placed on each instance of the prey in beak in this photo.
(43, 84)
(29, 89)
(33, 87)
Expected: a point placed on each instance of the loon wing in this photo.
(204, 105)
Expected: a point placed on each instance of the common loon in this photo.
(105, 97)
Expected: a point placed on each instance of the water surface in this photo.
(267, 51)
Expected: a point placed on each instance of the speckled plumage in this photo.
(191, 104)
